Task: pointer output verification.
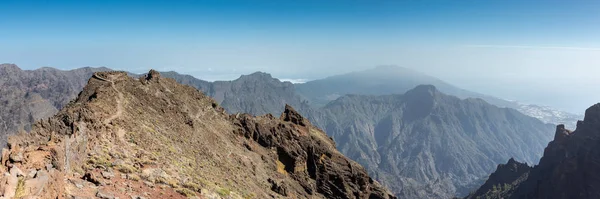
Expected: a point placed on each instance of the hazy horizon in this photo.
(539, 52)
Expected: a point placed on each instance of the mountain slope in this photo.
(503, 180)
(385, 80)
(27, 96)
(458, 144)
(151, 137)
(257, 93)
(569, 167)
(425, 144)
(382, 80)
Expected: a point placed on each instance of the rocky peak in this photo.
(424, 90)
(561, 133)
(501, 181)
(592, 115)
(152, 75)
(514, 166)
(511, 161)
(262, 78)
(420, 101)
(257, 76)
(291, 115)
(590, 124)
(9, 68)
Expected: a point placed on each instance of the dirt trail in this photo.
(120, 97)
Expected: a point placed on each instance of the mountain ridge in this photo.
(255, 95)
(29, 95)
(568, 168)
(431, 141)
(123, 136)
(385, 80)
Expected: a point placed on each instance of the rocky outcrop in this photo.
(152, 137)
(307, 153)
(569, 166)
(503, 180)
(30, 95)
(290, 115)
(561, 134)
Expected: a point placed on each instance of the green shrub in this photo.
(224, 192)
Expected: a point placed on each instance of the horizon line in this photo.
(536, 47)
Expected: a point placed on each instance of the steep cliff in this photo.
(569, 167)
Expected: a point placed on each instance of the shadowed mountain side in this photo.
(426, 144)
(568, 169)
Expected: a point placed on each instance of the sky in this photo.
(542, 52)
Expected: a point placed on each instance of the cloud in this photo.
(536, 47)
(294, 81)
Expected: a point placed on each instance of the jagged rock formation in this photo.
(27, 96)
(569, 167)
(154, 138)
(503, 180)
(425, 144)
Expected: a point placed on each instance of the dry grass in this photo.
(126, 168)
(133, 177)
(185, 192)
(192, 186)
(281, 168)
(223, 192)
(20, 191)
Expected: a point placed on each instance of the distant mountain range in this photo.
(381, 80)
(472, 135)
(384, 80)
(426, 144)
(568, 169)
(30, 95)
(257, 93)
(417, 140)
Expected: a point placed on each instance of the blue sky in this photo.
(506, 48)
